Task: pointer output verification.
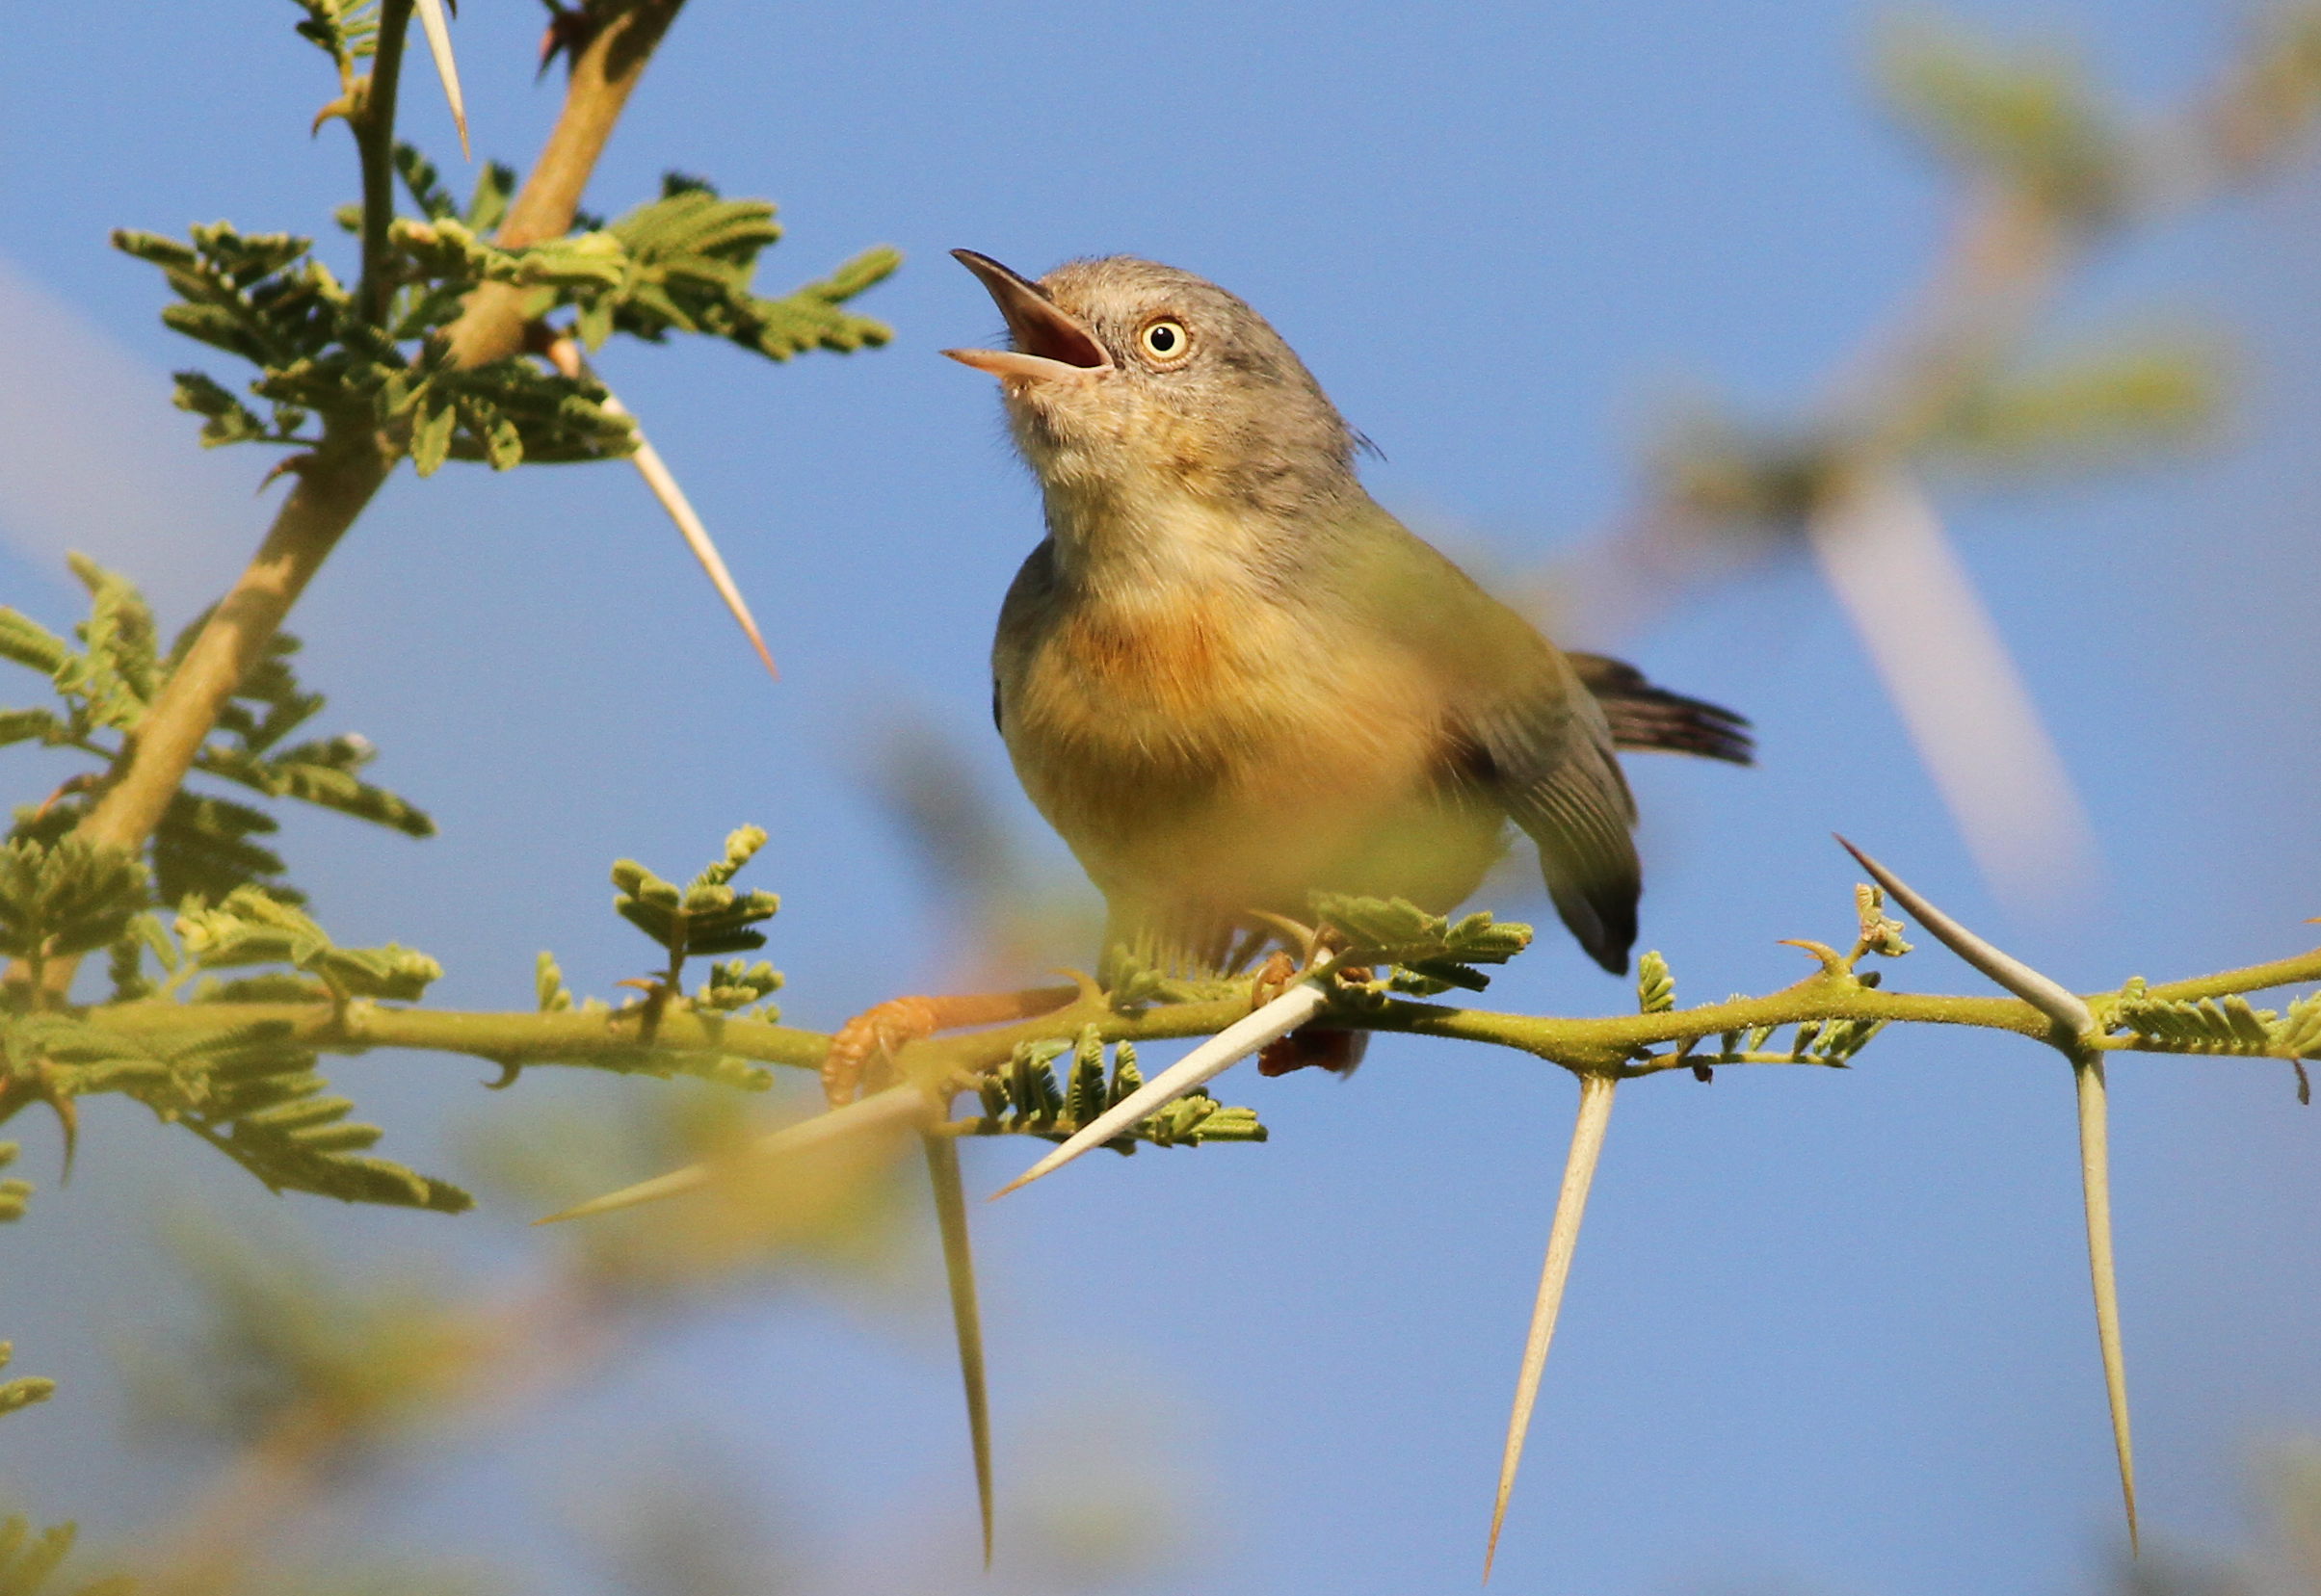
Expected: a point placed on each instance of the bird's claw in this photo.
(873, 1037)
(1312, 1046)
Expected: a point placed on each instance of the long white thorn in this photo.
(438, 45)
(895, 1107)
(565, 355)
(967, 1318)
(1197, 1069)
(1562, 1239)
(2049, 996)
(2096, 1184)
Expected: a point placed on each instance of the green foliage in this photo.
(1832, 1043)
(2230, 1025)
(58, 901)
(15, 1395)
(251, 1091)
(1881, 932)
(285, 1338)
(250, 928)
(335, 362)
(708, 916)
(2029, 116)
(1431, 953)
(1656, 987)
(347, 31)
(1024, 1098)
(268, 300)
(486, 204)
(733, 988)
(2119, 396)
(548, 981)
(205, 845)
(685, 262)
(29, 1562)
(13, 1193)
(2208, 1026)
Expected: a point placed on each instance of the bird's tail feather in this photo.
(1647, 717)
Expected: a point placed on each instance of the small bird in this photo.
(1229, 679)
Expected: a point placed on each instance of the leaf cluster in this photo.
(683, 263)
(2028, 116)
(1430, 954)
(708, 916)
(29, 1562)
(2228, 1025)
(16, 1395)
(207, 844)
(267, 299)
(253, 1092)
(1023, 1097)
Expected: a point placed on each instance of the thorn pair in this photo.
(2076, 1032)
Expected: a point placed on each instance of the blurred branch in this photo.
(2052, 174)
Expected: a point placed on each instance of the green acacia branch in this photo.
(1620, 1045)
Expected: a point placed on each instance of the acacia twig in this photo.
(338, 480)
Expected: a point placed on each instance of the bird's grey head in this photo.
(1128, 379)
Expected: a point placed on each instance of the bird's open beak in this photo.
(1049, 342)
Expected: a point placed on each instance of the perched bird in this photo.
(1229, 679)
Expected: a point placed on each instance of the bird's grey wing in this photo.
(1522, 729)
(1024, 613)
(1548, 757)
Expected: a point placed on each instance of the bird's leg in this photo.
(880, 1032)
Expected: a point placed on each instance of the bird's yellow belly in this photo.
(1203, 760)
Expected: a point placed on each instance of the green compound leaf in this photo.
(1023, 1097)
(1432, 955)
(708, 916)
(66, 899)
(251, 927)
(2210, 1026)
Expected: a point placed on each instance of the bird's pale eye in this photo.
(1165, 342)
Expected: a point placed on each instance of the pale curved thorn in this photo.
(438, 45)
(1562, 1239)
(657, 477)
(895, 1107)
(2056, 1002)
(564, 354)
(2096, 1184)
(1197, 1069)
(967, 1319)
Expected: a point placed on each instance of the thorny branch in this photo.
(1622, 1045)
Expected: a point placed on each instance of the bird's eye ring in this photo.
(1165, 342)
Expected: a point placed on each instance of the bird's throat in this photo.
(1134, 543)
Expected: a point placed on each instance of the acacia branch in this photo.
(605, 73)
(337, 482)
(1622, 1045)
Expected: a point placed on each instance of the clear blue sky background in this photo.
(1827, 1333)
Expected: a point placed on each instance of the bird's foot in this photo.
(1313, 1047)
(874, 1037)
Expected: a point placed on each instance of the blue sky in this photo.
(1827, 1333)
